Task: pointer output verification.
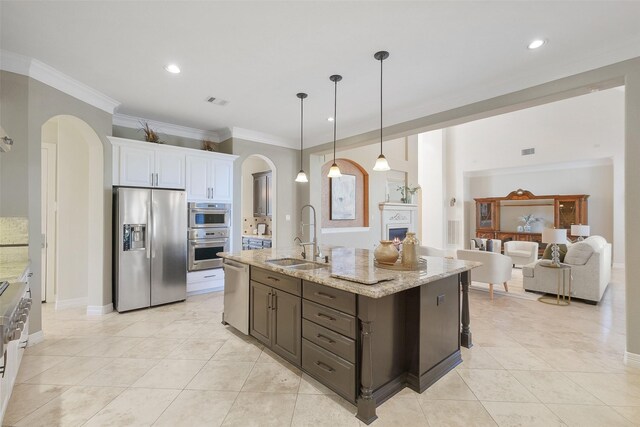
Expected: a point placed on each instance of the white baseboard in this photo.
(618, 265)
(70, 303)
(632, 359)
(35, 338)
(204, 287)
(99, 310)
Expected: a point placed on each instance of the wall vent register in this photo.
(528, 151)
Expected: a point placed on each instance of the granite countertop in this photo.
(358, 265)
(255, 236)
(13, 271)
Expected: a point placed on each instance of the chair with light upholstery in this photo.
(495, 268)
(430, 251)
(521, 253)
(495, 243)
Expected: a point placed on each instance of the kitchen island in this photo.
(362, 331)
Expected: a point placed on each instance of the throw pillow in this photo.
(479, 244)
(563, 252)
(579, 253)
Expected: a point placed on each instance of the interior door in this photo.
(168, 246)
(48, 218)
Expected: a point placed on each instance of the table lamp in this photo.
(555, 237)
(580, 230)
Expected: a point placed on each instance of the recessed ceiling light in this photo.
(330, 119)
(172, 68)
(536, 43)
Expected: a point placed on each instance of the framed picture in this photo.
(343, 198)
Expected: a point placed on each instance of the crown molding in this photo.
(252, 135)
(37, 70)
(167, 128)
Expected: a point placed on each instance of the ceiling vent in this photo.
(528, 151)
(217, 101)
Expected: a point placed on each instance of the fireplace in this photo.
(398, 232)
(397, 219)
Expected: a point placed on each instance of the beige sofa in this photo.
(590, 262)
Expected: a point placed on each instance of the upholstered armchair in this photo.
(521, 253)
(495, 268)
(430, 251)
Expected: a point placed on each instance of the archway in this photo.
(256, 164)
(72, 212)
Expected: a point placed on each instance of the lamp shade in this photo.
(580, 230)
(554, 235)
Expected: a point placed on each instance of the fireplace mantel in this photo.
(397, 215)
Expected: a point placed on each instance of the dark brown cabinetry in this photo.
(275, 314)
(262, 200)
(329, 337)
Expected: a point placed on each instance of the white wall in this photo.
(250, 166)
(401, 154)
(73, 213)
(432, 180)
(579, 129)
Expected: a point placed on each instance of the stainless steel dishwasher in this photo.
(236, 295)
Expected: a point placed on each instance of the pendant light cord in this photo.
(335, 112)
(301, 128)
(381, 105)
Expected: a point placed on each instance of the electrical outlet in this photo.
(440, 299)
(287, 217)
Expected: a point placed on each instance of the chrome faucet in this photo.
(315, 250)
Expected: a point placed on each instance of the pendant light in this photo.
(302, 177)
(381, 161)
(334, 171)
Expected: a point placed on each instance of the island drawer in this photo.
(331, 370)
(277, 280)
(329, 340)
(329, 318)
(334, 298)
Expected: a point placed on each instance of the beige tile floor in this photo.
(532, 364)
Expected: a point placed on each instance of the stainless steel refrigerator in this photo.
(150, 247)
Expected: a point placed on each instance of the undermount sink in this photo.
(298, 264)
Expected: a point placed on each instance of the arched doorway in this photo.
(72, 212)
(259, 178)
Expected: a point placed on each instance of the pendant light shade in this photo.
(302, 177)
(381, 162)
(334, 171)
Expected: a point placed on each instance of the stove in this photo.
(14, 311)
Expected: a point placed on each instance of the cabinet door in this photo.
(259, 195)
(260, 312)
(222, 180)
(287, 331)
(137, 166)
(170, 168)
(198, 178)
(269, 200)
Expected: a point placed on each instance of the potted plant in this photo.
(407, 192)
(150, 135)
(528, 220)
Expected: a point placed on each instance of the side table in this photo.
(563, 280)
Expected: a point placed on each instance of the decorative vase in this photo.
(386, 253)
(527, 228)
(410, 251)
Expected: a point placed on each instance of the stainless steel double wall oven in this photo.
(208, 234)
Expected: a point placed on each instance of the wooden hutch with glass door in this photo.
(496, 217)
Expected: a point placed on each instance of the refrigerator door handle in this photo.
(148, 236)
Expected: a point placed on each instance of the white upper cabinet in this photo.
(222, 180)
(206, 176)
(209, 178)
(137, 167)
(198, 181)
(170, 170)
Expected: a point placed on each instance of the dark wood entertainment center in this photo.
(567, 210)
